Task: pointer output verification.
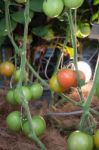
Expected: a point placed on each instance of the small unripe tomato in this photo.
(80, 141)
(39, 126)
(13, 121)
(53, 8)
(36, 90)
(73, 4)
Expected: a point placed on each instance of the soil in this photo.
(59, 125)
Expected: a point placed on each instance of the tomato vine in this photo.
(22, 66)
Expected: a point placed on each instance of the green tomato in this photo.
(73, 4)
(80, 141)
(39, 126)
(26, 93)
(21, 1)
(83, 30)
(17, 74)
(13, 121)
(36, 90)
(53, 8)
(10, 97)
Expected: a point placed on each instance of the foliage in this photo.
(18, 18)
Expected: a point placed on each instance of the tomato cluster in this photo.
(16, 96)
(54, 8)
(65, 79)
(14, 120)
(79, 140)
(15, 123)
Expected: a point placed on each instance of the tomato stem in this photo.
(74, 44)
(44, 83)
(22, 67)
(8, 25)
(87, 103)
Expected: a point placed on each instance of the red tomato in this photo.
(67, 78)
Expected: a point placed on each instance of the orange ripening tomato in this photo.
(7, 68)
(54, 85)
(67, 78)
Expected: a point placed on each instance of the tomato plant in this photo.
(7, 68)
(39, 126)
(73, 3)
(10, 97)
(13, 121)
(16, 75)
(53, 8)
(26, 93)
(54, 85)
(36, 90)
(67, 78)
(96, 139)
(80, 141)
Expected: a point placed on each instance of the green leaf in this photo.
(96, 2)
(3, 30)
(40, 31)
(36, 5)
(19, 16)
(95, 16)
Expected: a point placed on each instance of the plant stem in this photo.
(66, 98)
(74, 44)
(58, 62)
(95, 79)
(7, 4)
(22, 66)
(87, 103)
(37, 76)
(32, 133)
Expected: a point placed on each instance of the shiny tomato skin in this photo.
(80, 141)
(39, 126)
(7, 68)
(10, 97)
(66, 78)
(36, 90)
(53, 8)
(54, 85)
(13, 121)
(73, 3)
